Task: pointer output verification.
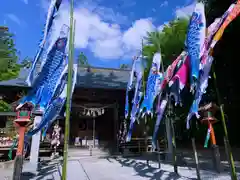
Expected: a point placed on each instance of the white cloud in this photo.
(164, 4)
(184, 11)
(133, 36)
(107, 48)
(93, 6)
(127, 3)
(14, 18)
(109, 15)
(25, 1)
(103, 35)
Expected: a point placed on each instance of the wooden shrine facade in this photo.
(96, 88)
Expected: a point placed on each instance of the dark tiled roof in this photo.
(19, 82)
(8, 114)
(97, 78)
(102, 78)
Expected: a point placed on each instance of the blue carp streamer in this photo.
(192, 67)
(129, 88)
(47, 80)
(160, 112)
(57, 102)
(53, 8)
(51, 71)
(195, 41)
(136, 101)
(154, 81)
(201, 89)
(206, 63)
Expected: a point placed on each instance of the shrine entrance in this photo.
(93, 126)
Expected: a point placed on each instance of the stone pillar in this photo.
(34, 154)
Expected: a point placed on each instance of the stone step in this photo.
(80, 153)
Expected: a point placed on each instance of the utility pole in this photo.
(69, 91)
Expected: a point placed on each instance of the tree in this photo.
(4, 106)
(9, 68)
(26, 62)
(82, 59)
(170, 42)
(124, 66)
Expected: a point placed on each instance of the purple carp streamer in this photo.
(136, 101)
(160, 112)
(195, 42)
(53, 8)
(134, 71)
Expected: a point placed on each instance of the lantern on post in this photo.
(21, 123)
(207, 113)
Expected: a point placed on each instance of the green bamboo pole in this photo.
(69, 90)
(169, 133)
(196, 158)
(144, 93)
(144, 84)
(174, 146)
(227, 144)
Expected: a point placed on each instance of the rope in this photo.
(103, 107)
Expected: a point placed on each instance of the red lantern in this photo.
(22, 122)
(208, 111)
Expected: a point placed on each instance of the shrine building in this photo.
(97, 105)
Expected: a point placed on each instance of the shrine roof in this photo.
(94, 77)
(19, 81)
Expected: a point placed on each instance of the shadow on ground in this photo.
(46, 171)
(144, 170)
(184, 160)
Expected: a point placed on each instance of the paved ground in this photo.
(121, 168)
(118, 168)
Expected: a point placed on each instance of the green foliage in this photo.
(4, 106)
(27, 62)
(82, 59)
(124, 66)
(170, 42)
(9, 68)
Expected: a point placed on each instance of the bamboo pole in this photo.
(196, 159)
(69, 90)
(143, 79)
(174, 146)
(227, 144)
(169, 129)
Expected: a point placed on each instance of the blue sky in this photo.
(108, 32)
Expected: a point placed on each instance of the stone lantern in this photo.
(207, 113)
